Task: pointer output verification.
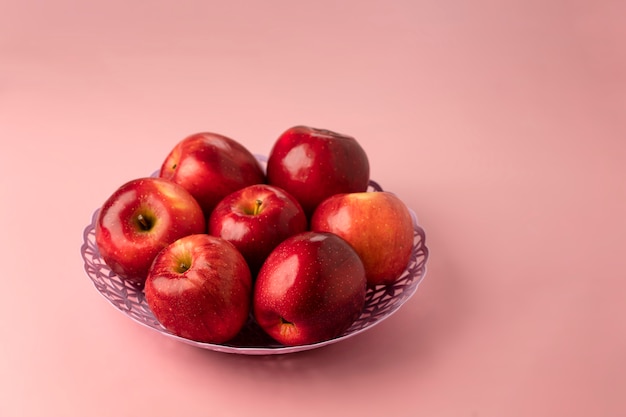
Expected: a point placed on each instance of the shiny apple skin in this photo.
(378, 225)
(211, 166)
(127, 247)
(206, 300)
(310, 289)
(256, 219)
(313, 164)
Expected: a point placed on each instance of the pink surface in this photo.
(501, 124)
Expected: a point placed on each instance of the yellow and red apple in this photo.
(379, 227)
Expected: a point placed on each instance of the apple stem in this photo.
(257, 206)
(143, 222)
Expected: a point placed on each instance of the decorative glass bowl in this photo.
(380, 303)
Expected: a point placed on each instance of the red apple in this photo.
(310, 289)
(256, 219)
(139, 219)
(379, 227)
(211, 166)
(200, 288)
(313, 164)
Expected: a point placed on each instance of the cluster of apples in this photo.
(214, 239)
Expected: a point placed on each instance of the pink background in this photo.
(501, 123)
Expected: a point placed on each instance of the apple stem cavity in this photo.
(287, 328)
(183, 262)
(283, 321)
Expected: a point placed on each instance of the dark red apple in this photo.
(313, 164)
(256, 219)
(310, 289)
(200, 288)
(379, 227)
(211, 166)
(141, 218)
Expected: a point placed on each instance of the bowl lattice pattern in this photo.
(381, 301)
